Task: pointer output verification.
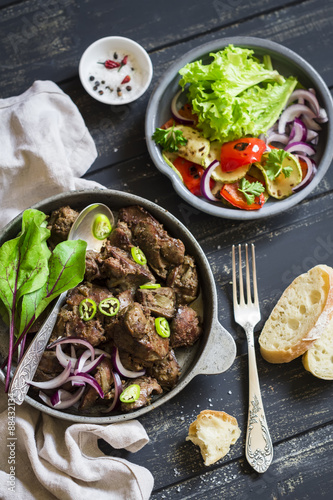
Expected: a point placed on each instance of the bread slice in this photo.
(299, 317)
(214, 432)
(319, 358)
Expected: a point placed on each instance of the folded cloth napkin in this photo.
(43, 458)
(45, 148)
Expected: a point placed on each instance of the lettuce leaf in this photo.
(235, 95)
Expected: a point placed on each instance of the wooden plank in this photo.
(301, 469)
(36, 32)
(288, 389)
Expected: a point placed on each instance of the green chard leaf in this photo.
(250, 190)
(23, 261)
(169, 139)
(273, 164)
(66, 270)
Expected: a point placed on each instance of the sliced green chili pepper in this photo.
(138, 256)
(130, 394)
(150, 286)
(101, 227)
(162, 327)
(109, 306)
(87, 309)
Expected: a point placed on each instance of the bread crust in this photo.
(319, 324)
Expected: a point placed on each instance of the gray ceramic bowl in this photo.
(287, 63)
(213, 353)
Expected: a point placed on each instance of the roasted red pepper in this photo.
(244, 151)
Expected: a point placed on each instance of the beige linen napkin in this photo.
(45, 147)
(43, 458)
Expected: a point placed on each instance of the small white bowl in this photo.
(106, 85)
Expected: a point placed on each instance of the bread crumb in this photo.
(214, 432)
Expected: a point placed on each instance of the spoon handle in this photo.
(27, 367)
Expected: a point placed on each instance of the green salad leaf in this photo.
(31, 276)
(235, 95)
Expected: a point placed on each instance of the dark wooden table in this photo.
(44, 39)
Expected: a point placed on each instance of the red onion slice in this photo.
(118, 389)
(73, 340)
(82, 360)
(292, 112)
(89, 367)
(311, 124)
(175, 113)
(56, 382)
(308, 96)
(119, 367)
(281, 138)
(85, 377)
(62, 399)
(309, 175)
(64, 358)
(300, 147)
(205, 181)
(298, 132)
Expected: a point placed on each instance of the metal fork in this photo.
(258, 445)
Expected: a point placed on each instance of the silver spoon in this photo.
(81, 229)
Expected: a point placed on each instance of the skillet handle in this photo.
(220, 351)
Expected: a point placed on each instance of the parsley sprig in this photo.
(170, 139)
(273, 164)
(250, 189)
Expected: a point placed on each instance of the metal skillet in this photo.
(214, 353)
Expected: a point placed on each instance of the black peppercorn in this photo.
(129, 88)
(91, 78)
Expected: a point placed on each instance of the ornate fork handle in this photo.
(258, 446)
(27, 367)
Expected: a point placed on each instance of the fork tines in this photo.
(247, 275)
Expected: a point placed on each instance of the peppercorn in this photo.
(129, 88)
(92, 78)
(101, 92)
(119, 92)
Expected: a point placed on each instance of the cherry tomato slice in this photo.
(231, 193)
(235, 154)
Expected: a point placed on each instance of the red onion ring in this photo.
(119, 367)
(175, 113)
(309, 175)
(300, 147)
(88, 367)
(64, 358)
(292, 112)
(298, 132)
(205, 181)
(118, 388)
(308, 96)
(85, 377)
(61, 399)
(56, 382)
(73, 340)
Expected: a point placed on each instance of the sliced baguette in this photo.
(319, 358)
(300, 316)
(214, 432)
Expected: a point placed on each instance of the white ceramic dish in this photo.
(287, 63)
(106, 84)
